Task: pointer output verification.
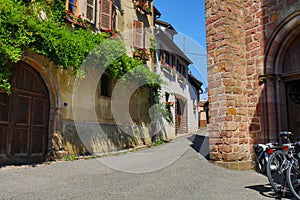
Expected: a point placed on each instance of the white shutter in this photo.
(90, 11)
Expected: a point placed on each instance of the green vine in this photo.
(5, 72)
(39, 25)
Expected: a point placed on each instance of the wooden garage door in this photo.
(24, 118)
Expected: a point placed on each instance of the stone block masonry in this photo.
(237, 35)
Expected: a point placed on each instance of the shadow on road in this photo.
(200, 144)
(267, 191)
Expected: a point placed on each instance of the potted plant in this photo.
(143, 6)
(181, 78)
(141, 54)
(108, 33)
(169, 104)
(169, 69)
(79, 21)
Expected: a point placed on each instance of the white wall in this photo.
(185, 90)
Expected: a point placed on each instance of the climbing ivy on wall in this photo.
(39, 25)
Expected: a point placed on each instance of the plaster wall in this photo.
(85, 121)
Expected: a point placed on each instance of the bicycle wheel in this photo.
(276, 171)
(293, 178)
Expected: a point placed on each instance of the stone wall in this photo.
(96, 138)
(238, 33)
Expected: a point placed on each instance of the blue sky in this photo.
(189, 21)
(186, 18)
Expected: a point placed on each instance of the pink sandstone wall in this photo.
(238, 32)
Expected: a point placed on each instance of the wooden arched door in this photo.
(291, 83)
(24, 118)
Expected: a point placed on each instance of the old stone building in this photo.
(254, 75)
(50, 111)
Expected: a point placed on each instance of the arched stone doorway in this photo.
(24, 117)
(291, 79)
(35, 100)
(282, 72)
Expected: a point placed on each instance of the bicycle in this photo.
(278, 162)
(262, 152)
(293, 172)
(277, 166)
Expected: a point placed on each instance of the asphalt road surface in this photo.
(173, 170)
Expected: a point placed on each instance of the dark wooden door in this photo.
(293, 106)
(24, 118)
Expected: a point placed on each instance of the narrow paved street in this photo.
(162, 172)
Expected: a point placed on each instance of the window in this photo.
(138, 34)
(159, 54)
(85, 9)
(177, 65)
(107, 15)
(106, 85)
(72, 6)
(173, 60)
(183, 70)
(90, 11)
(167, 58)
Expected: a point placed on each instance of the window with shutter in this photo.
(72, 6)
(138, 34)
(107, 15)
(90, 11)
